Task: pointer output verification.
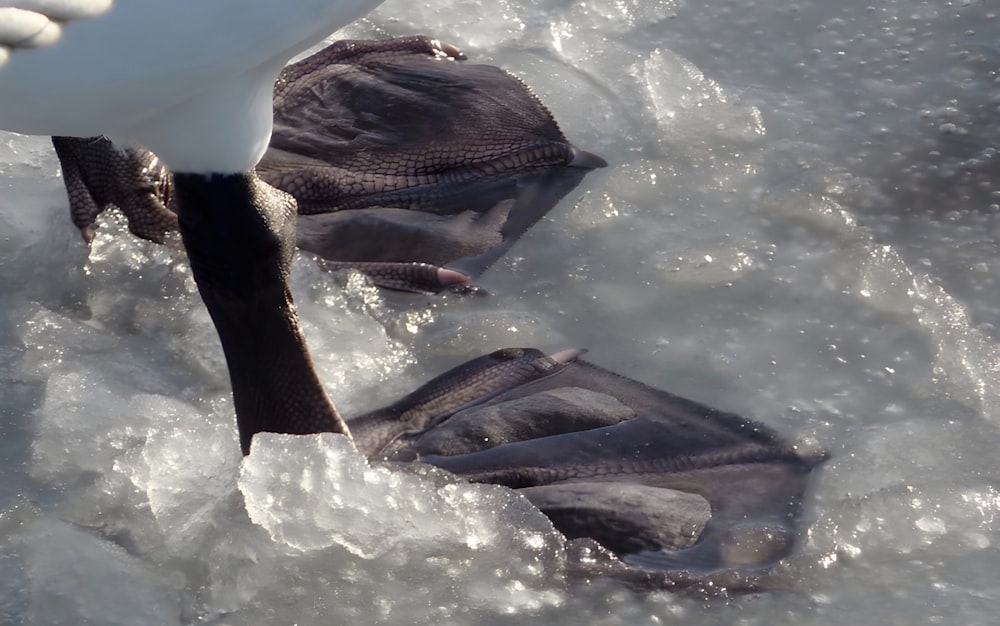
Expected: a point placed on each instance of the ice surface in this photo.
(799, 223)
(71, 572)
(305, 492)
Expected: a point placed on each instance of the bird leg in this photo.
(239, 234)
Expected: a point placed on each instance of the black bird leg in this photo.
(240, 237)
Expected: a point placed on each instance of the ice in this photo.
(314, 492)
(76, 577)
(344, 531)
(799, 223)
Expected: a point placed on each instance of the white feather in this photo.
(63, 10)
(189, 79)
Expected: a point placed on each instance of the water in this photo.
(799, 223)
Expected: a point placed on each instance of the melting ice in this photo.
(799, 224)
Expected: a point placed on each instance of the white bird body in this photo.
(190, 80)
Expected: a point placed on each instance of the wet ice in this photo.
(799, 224)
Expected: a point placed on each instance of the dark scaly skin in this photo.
(546, 413)
(396, 154)
(388, 123)
(239, 236)
(415, 277)
(98, 175)
(681, 494)
(469, 384)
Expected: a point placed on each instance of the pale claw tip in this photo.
(88, 233)
(586, 160)
(567, 356)
(451, 277)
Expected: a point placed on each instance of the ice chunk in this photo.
(314, 492)
(189, 497)
(342, 530)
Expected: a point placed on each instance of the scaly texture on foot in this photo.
(98, 175)
(397, 154)
(681, 493)
(241, 267)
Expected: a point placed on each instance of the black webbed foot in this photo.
(396, 153)
(677, 490)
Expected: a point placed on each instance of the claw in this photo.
(567, 356)
(586, 160)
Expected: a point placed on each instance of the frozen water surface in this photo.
(799, 223)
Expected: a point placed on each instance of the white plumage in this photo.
(189, 79)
